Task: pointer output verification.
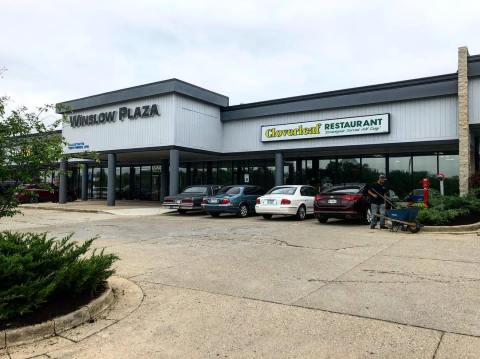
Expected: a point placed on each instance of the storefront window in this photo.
(400, 175)
(211, 172)
(146, 183)
(289, 171)
(308, 175)
(156, 173)
(118, 182)
(269, 180)
(198, 173)
(96, 184)
(240, 168)
(448, 165)
(256, 173)
(425, 167)
(136, 182)
(348, 170)
(225, 174)
(327, 169)
(372, 167)
(125, 190)
(183, 176)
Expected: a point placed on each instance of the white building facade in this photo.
(155, 139)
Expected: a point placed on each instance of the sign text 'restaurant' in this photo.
(351, 126)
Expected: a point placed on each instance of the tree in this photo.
(29, 149)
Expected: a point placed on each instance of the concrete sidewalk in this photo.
(121, 208)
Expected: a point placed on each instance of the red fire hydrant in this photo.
(426, 186)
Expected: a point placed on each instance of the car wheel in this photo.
(214, 214)
(301, 213)
(267, 216)
(33, 199)
(181, 211)
(322, 219)
(243, 211)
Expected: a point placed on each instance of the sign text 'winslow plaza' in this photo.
(111, 116)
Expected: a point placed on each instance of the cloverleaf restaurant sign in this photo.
(350, 126)
(111, 116)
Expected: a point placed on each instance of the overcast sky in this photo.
(247, 50)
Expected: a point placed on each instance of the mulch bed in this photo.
(52, 309)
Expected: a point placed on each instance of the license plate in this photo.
(270, 201)
(179, 201)
(332, 201)
(213, 200)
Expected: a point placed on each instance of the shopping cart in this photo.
(404, 219)
(401, 218)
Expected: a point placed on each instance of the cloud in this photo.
(248, 50)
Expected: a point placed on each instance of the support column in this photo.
(163, 180)
(464, 160)
(84, 188)
(62, 191)
(174, 171)
(112, 174)
(278, 169)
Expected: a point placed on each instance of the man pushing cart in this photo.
(376, 195)
(402, 218)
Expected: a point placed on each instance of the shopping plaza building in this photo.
(154, 139)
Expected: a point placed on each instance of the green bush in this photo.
(35, 269)
(444, 210)
(439, 217)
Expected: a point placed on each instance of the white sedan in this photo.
(287, 200)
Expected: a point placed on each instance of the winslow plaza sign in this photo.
(110, 116)
(350, 126)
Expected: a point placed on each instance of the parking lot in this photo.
(231, 287)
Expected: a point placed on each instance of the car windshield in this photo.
(282, 190)
(347, 190)
(232, 190)
(202, 190)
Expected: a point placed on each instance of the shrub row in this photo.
(446, 210)
(35, 269)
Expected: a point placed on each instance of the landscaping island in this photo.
(43, 278)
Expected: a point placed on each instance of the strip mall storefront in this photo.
(155, 139)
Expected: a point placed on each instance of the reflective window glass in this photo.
(448, 165)
(400, 175)
(372, 167)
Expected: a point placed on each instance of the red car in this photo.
(32, 193)
(345, 202)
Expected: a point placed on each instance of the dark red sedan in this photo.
(345, 202)
(32, 193)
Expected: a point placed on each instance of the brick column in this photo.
(464, 160)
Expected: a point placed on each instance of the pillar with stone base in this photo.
(174, 172)
(464, 155)
(112, 173)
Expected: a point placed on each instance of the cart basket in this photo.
(402, 214)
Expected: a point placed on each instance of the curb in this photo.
(29, 206)
(449, 229)
(23, 335)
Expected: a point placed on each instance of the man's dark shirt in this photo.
(376, 188)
